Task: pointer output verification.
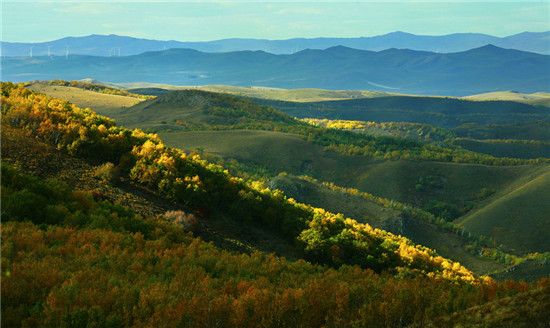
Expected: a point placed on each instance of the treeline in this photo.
(420, 131)
(322, 237)
(428, 143)
(238, 113)
(89, 263)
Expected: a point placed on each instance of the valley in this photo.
(468, 189)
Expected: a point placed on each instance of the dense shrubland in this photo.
(322, 237)
(98, 264)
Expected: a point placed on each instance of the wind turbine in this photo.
(49, 53)
(119, 51)
(30, 50)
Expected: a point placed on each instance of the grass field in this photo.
(538, 98)
(517, 216)
(462, 184)
(310, 95)
(279, 152)
(282, 152)
(301, 95)
(104, 104)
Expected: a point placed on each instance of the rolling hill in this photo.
(475, 71)
(100, 102)
(519, 210)
(87, 238)
(439, 111)
(407, 181)
(188, 181)
(113, 45)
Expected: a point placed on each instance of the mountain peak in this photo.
(488, 49)
(338, 48)
(399, 33)
(490, 46)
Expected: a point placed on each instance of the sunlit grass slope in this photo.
(104, 104)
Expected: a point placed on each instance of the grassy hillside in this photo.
(276, 151)
(516, 216)
(531, 145)
(301, 95)
(430, 185)
(536, 99)
(111, 105)
(411, 182)
(315, 95)
(376, 214)
(279, 152)
(102, 103)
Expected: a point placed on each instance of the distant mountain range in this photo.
(114, 45)
(481, 70)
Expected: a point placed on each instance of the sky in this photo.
(38, 21)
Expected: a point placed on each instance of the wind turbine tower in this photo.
(49, 53)
(30, 51)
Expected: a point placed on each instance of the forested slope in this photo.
(85, 261)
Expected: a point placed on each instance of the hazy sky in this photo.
(34, 21)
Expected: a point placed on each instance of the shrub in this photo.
(108, 172)
(186, 220)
